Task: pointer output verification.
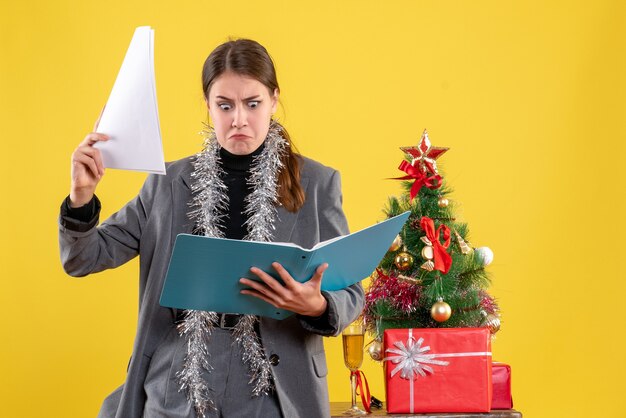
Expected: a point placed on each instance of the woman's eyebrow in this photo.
(245, 100)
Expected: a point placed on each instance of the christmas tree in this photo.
(431, 277)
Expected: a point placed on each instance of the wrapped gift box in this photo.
(437, 370)
(501, 379)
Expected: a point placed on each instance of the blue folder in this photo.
(204, 272)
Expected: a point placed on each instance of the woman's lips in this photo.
(239, 136)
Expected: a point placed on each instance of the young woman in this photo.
(247, 183)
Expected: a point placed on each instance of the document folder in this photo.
(204, 272)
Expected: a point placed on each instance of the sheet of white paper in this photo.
(131, 116)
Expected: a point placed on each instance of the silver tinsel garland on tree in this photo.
(210, 205)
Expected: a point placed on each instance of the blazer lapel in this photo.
(286, 220)
(181, 224)
(181, 196)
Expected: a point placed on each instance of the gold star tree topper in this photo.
(424, 154)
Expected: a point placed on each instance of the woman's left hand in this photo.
(302, 298)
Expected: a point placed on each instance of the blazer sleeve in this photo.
(345, 305)
(86, 248)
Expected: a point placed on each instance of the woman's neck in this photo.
(232, 161)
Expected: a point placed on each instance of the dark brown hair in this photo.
(249, 58)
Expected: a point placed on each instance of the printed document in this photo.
(131, 116)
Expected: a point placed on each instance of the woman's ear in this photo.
(208, 115)
(275, 100)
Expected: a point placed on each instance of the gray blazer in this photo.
(147, 226)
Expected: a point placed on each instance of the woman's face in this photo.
(241, 108)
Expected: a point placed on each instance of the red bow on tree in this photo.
(421, 178)
(441, 258)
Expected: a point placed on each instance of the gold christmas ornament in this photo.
(426, 241)
(441, 311)
(403, 261)
(408, 279)
(428, 253)
(428, 265)
(396, 244)
(443, 202)
(375, 350)
(492, 322)
(465, 249)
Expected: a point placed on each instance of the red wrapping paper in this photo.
(501, 379)
(463, 385)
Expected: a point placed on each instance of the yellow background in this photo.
(529, 95)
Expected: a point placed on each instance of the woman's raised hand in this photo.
(87, 169)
